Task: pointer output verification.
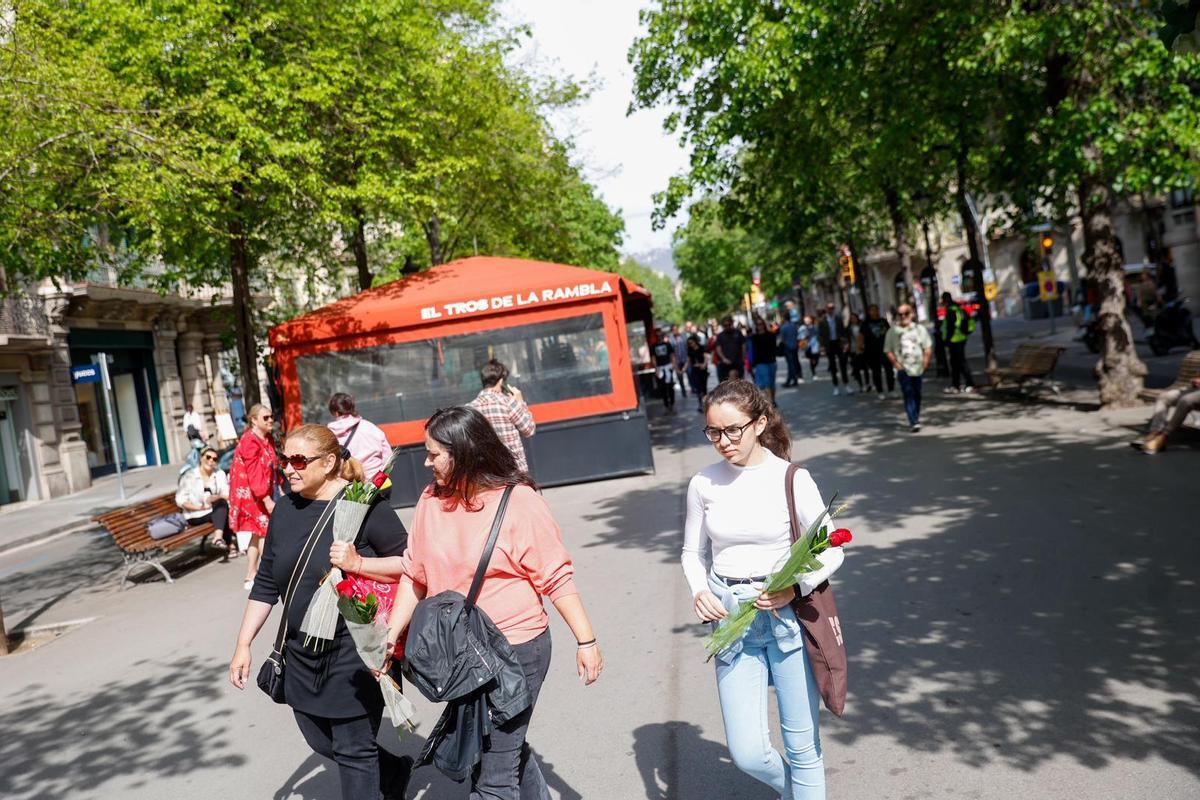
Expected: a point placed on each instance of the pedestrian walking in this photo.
(835, 342)
(765, 357)
(956, 327)
(504, 406)
(874, 332)
(810, 343)
(698, 369)
(738, 509)
(1171, 410)
(366, 442)
(789, 342)
(729, 351)
(680, 358)
(203, 497)
(471, 469)
(333, 695)
(858, 356)
(194, 430)
(909, 347)
(253, 479)
(664, 370)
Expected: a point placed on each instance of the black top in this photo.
(333, 682)
(695, 352)
(663, 353)
(730, 343)
(874, 332)
(763, 349)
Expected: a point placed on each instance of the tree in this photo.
(662, 291)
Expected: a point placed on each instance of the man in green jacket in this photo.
(956, 327)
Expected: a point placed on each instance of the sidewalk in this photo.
(39, 519)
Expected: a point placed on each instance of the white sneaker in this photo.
(949, 390)
(836, 391)
(799, 381)
(968, 390)
(881, 396)
(849, 390)
(916, 428)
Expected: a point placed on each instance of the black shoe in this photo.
(399, 788)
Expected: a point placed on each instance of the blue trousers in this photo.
(910, 387)
(742, 686)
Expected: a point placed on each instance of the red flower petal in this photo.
(380, 479)
(840, 537)
(346, 587)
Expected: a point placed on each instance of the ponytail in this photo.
(752, 401)
(352, 470)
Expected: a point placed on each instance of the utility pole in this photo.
(106, 383)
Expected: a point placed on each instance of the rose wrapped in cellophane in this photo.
(320, 620)
(801, 559)
(365, 605)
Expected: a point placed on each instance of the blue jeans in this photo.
(742, 686)
(910, 387)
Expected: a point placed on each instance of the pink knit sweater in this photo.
(529, 562)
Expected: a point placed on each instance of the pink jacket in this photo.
(369, 444)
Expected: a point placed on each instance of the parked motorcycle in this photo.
(1172, 327)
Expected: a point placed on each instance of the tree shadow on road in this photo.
(137, 728)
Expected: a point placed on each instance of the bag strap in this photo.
(350, 438)
(493, 535)
(302, 564)
(790, 490)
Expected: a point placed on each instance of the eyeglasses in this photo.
(733, 433)
(300, 462)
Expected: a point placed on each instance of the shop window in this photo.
(562, 359)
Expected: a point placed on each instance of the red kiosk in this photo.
(415, 345)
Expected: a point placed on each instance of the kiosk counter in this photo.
(407, 348)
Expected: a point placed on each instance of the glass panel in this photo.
(558, 360)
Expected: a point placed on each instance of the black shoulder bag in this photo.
(270, 674)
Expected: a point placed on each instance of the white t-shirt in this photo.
(193, 419)
(741, 513)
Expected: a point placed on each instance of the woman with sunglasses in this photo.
(332, 693)
(471, 467)
(738, 508)
(203, 496)
(252, 482)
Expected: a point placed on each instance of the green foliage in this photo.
(666, 305)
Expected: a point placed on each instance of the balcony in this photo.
(23, 318)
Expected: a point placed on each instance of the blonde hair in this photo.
(326, 444)
(257, 409)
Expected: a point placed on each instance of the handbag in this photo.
(166, 526)
(270, 674)
(818, 616)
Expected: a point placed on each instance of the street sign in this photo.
(85, 373)
(1047, 286)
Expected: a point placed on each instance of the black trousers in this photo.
(698, 376)
(366, 771)
(880, 365)
(219, 517)
(858, 368)
(960, 370)
(666, 388)
(837, 358)
(814, 360)
(725, 370)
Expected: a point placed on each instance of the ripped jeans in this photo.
(772, 653)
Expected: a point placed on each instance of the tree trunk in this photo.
(243, 303)
(433, 235)
(1120, 372)
(973, 244)
(3, 634)
(900, 232)
(360, 251)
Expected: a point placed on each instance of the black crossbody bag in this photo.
(270, 674)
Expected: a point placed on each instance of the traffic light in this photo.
(846, 262)
(1047, 244)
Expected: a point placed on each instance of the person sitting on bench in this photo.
(203, 496)
(1177, 403)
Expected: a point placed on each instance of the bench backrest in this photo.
(1189, 368)
(128, 525)
(1036, 357)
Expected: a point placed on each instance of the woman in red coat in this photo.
(252, 481)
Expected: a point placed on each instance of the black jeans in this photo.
(837, 357)
(698, 377)
(507, 770)
(880, 365)
(858, 368)
(960, 370)
(219, 517)
(814, 360)
(365, 769)
(725, 370)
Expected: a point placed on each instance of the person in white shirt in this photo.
(737, 508)
(203, 496)
(193, 423)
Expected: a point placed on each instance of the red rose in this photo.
(380, 479)
(840, 537)
(345, 587)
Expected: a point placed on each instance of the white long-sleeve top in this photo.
(741, 514)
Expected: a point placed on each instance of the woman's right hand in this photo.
(343, 556)
(708, 607)
(239, 666)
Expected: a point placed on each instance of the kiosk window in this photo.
(562, 359)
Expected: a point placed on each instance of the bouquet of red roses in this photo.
(365, 606)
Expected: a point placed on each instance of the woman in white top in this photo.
(203, 496)
(738, 508)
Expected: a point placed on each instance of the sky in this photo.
(628, 158)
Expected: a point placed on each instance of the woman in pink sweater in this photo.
(471, 467)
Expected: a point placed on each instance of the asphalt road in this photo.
(1020, 604)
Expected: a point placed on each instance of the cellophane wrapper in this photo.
(320, 620)
(370, 639)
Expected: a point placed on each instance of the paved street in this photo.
(1020, 604)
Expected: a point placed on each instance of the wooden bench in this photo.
(1188, 368)
(1031, 362)
(129, 533)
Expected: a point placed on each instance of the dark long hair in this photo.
(752, 401)
(480, 460)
